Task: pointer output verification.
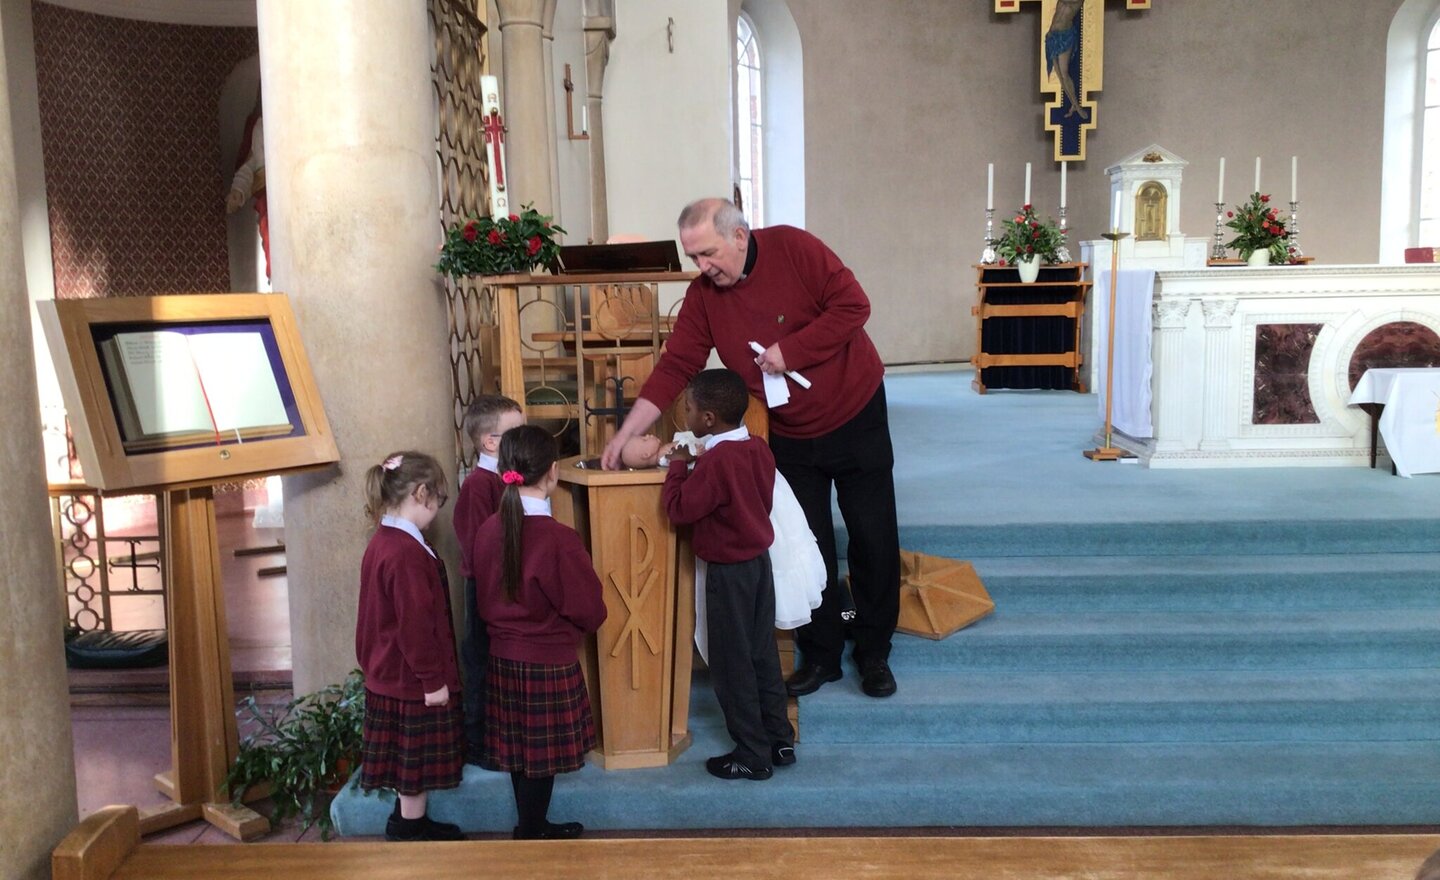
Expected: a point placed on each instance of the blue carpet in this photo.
(1240, 647)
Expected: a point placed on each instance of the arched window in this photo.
(1410, 163)
(749, 121)
(1429, 218)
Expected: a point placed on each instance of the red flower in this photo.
(1229, 213)
(495, 237)
(470, 231)
(1264, 198)
(1019, 218)
(514, 218)
(1026, 207)
(1029, 249)
(1002, 261)
(533, 246)
(1036, 234)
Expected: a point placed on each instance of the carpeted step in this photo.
(918, 785)
(1253, 537)
(1082, 641)
(1343, 705)
(1213, 583)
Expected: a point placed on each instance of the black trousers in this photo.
(474, 658)
(858, 461)
(744, 661)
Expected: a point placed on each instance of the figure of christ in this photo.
(1061, 41)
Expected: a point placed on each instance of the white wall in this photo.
(667, 115)
(572, 202)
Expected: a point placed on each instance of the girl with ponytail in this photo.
(538, 604)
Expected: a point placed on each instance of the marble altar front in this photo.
(1255, 367)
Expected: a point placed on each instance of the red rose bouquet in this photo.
(1259, 227)
(510, 245)
(1025, 235)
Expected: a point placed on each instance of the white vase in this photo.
(1029, 268)
(1259, 258)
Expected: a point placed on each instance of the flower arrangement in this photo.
(509, 245)
(1258, 227)
(1025, 236)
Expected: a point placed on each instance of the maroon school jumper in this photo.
(727, 497)
(479, 498)
(404, 638)
(800, 295)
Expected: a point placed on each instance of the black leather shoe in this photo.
(782, 755)
(731, 767)
(808, 678)
(552, 831)
(408, 830)
(876, 679)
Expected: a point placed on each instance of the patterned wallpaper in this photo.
(130, 124)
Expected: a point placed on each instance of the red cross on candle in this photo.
(495, 137)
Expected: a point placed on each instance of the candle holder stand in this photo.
(1062, 253)
(1110, 452)
(1295, 252)
(988, 256)
(1217, 251)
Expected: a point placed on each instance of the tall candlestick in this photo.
(1294, 177)
(1115, 211)
(1220, 190)
(1257, 174)
(1063, 166)
(1027, 183)
(990, 188)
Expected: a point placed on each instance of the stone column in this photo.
(1218, 318)
(350, 173)
(527, 132)
(599, 31)
(547, 33)
(37, 774)
(1170, 319)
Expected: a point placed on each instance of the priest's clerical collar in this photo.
(750, 251)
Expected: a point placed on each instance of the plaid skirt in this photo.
(411, 747)
(538, 719)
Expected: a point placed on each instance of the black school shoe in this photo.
(808, 678)
(782, 755)
(876, 679)
(552, 831)
(402, 830)
(731, 767)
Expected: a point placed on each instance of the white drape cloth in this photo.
(1133, 292)
(1410, 422)
(795, 560)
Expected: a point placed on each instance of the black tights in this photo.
(532, 801)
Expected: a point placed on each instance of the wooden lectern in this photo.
(638, 665)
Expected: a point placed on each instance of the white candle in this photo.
(1115, 211)
(1027, 183)
(1063, 166)
(1257, 174)
(1220, 190)
(1294, 176)
(990, 187)
(584, 119)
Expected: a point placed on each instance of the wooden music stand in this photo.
(114, 371)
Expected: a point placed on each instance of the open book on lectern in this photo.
(173, 388)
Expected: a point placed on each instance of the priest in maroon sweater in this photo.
(784, 289)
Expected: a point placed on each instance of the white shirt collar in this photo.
(408, 527)
(739, 433)
(535, 506)
(489, 463)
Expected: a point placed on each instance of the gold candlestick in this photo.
(1109, 452)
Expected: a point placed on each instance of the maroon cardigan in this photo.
(404, 634)
(479, 498)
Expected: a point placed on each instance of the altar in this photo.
(1254, 367)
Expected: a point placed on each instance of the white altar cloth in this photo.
(1410, 423)
(1133, 293)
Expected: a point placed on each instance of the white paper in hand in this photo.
(777, 393)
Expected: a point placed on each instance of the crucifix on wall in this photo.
(1072, 66)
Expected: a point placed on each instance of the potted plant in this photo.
(1026, 241)
(303, 750)
(1260, 233)
(507, 246)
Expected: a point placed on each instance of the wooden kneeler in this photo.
(939, 596)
